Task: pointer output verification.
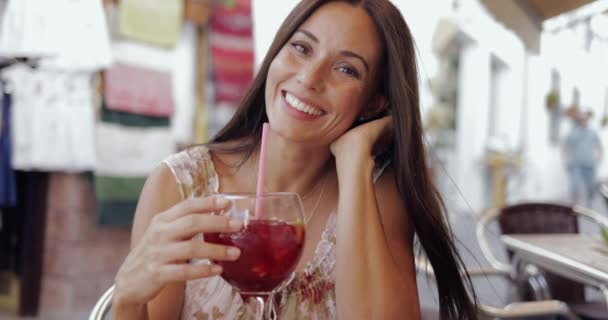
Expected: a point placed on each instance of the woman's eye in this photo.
(349, 71)
(300, 47)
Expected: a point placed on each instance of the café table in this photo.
(578, 257)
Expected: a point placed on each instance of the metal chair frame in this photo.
(513, 310)
(102, 307)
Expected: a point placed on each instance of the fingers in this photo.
(194, 205)
(185, 272)
(187, 226)
(194, 249)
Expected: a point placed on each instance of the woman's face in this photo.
(322, 79)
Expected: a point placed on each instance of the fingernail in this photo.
(233, 252)
(216, 269)
(235, 224)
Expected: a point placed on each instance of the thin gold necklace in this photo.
(321, 183)
(314, 209)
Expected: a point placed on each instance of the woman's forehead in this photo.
(343, 26)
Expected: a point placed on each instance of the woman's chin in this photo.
(298, 136)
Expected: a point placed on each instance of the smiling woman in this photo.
(339, 89)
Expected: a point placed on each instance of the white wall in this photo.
(586, 70)
(472, 124)
(267, 18)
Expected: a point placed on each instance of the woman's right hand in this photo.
(163, 253)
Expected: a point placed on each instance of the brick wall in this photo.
(80, 258)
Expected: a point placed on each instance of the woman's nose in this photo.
(311, 76)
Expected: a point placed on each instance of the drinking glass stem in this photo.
(256, 307)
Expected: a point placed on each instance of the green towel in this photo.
(118, 188)
(115, 213)
(117, 199)
(131, 119)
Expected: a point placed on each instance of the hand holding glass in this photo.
(271, 244)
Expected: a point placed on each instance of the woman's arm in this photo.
(150, 282)
(159, 194)
(375, 276)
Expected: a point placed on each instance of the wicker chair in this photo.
(515, 310)
(101, 309)
(542, 218)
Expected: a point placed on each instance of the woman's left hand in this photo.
(364, 140)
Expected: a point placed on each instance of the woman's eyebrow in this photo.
(309, 34)
(354, 55)
(346, 53)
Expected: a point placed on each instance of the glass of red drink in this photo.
(271, 244)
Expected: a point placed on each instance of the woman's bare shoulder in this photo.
(160, 192)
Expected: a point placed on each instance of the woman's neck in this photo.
(291, 166)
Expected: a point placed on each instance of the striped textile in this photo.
(231, 44)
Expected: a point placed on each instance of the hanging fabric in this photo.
(131, 119)
(68, 34)
(157, 22)
(25, 31)
(231, 41)
(117, 199)
(179, 64)
(139, 90)
(125, 156)
(53, 119)
(8, 186)
(131, 151)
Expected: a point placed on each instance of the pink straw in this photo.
(261, 170)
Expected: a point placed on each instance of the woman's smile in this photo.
(301, 108)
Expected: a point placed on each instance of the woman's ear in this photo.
(378, 107)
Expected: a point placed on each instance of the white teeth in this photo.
(297, 104)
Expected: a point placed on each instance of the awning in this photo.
(546, 9)
(525, 17)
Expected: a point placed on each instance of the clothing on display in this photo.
(138, 90)
(131, 151)
(179, 63)
(130, 119)
(117, 198)
(156, 22)
(8, 184)
(67, 34)
(52, 119)
(125, 156)
(231, 41)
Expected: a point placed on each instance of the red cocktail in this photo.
(270, 251)
(271, 244)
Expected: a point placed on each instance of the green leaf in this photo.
(605, 235)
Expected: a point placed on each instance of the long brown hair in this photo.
(399, 85)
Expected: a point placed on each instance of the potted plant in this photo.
(552, 101)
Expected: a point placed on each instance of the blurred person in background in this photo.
(582, 154)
